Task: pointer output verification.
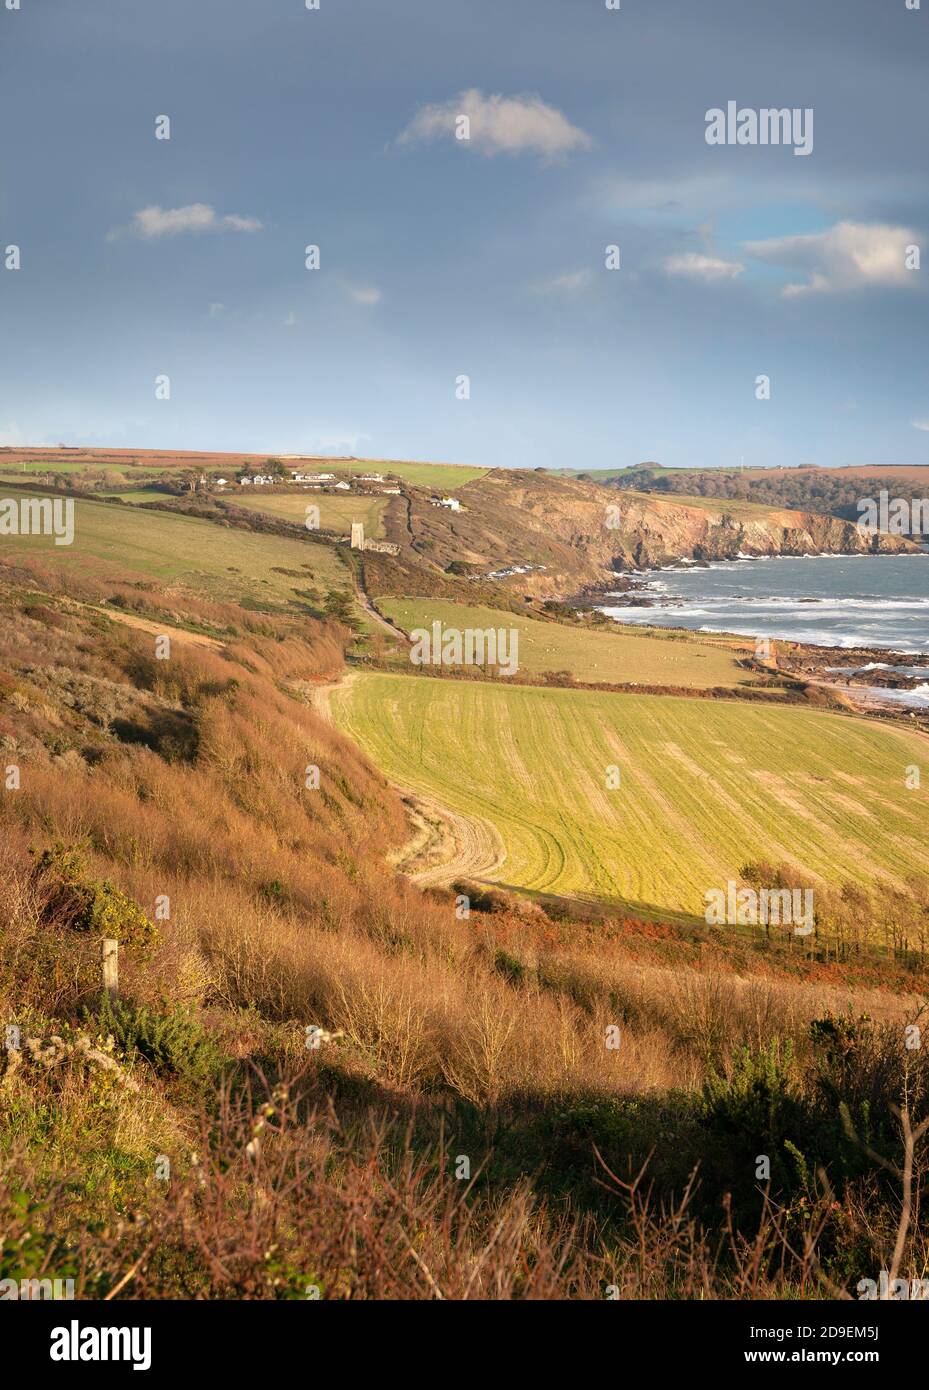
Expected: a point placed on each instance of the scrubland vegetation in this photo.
(316, 1076)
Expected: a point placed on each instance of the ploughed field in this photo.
(705, 785)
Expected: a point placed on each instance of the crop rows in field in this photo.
(705, 786)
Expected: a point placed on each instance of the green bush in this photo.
(89, 905)
(173, 1043)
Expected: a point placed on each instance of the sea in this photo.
(875, 601)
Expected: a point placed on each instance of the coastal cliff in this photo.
(548, 533)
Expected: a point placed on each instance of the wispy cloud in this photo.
(690, 194)
(848, 256)
(498, 125)
(710, 269)
(153, 222)
(572, 282)
(216, 309)
(920, 425)
(366, 295)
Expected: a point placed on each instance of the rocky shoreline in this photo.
(860, 677)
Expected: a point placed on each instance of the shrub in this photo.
(174, 1043)
(88, 905)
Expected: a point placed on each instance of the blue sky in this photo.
(442, 257)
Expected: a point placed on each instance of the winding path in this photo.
(445, 846)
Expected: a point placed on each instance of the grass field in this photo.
(50, 465)
(705, 785)
(614, 655)
(439, 475)
(213, 561)
(335, 513)
(140, 494)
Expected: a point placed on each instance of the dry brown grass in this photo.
(284, 916)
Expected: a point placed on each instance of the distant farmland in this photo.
(130, 461)
(705, 785)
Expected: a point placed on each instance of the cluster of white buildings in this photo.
(451, 503)
(308, 479)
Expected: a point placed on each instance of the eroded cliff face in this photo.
(623, 530)
(653, 533)
(580, 533)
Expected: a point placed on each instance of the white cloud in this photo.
(152, 222)
(216, 309)
(848, 256)
(572, 282)
(709, 269)
(367, 295)
(920, 424)
(499, 125)
(235, 223)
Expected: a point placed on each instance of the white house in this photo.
(220, 482)
(319, 478)
(372, 477)
(343, 487)
(243, 481)
(451, 502)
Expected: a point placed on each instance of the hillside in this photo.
(353, 953)
(573, 533)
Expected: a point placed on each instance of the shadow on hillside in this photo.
(581, 909)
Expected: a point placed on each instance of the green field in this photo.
(140, 494)
(335, 513)
(215, 562)
(439, 475)
(706, 785)
(615, 655)
(51, 465)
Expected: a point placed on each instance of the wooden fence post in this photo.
(111, 966)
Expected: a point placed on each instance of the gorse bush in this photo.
(88, 905)
(174, 1043)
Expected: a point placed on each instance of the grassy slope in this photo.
(440, 475)
(140, 494)
(727, 506)
(610, 655)
(335, 513)
(706, 786)
(215, 562)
